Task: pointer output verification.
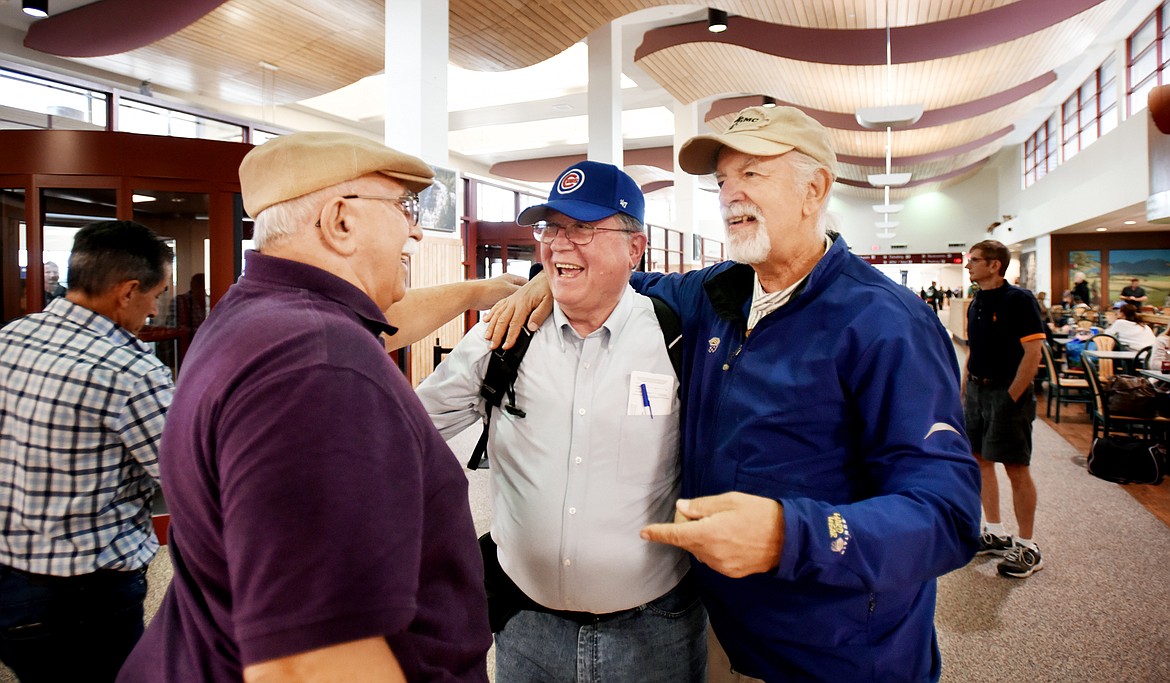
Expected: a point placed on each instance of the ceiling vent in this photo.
(956, 245)
(898, 246)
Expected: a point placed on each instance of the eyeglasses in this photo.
(973, 259)
(577, 233)
(407, 202)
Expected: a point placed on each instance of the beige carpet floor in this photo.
(1098, 612)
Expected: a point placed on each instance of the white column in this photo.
(416, 78)
(1044, 269)
(605, 94)
(686, 186)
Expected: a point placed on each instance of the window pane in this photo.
(1108, 97)
(527, 200)
(140, 117)
(69, 106)
(1143, 67)
(1137, 100)
(495, 204)
(1109, 120)
(1142, 38)
(1108, 71)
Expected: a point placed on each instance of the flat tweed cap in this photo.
(293, 165)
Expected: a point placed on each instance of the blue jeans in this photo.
(69, 628)
(664, 641)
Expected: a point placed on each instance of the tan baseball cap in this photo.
(764, 132)
(293, 165)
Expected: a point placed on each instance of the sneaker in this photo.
(990, 544)
(1021, 562)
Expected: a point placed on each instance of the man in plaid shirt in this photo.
(82, 403)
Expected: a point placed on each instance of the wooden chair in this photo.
(1106, 422)
(1104, 342)
(1061, 387)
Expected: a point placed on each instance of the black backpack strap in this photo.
(500, 381)
(671, 326)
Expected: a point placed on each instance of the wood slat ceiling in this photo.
(317, 45)
(698, 71)
(702, 71)
(320, 45)
(498, 35)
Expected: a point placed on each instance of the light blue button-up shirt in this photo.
(575, 480)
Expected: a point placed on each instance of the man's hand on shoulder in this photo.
(492, 290)
(531, 304)
(736, 534)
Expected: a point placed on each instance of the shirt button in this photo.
(580, 411)
(572, 511)
(726, 366)
(568, 562)
(586, 365)
(578, 461)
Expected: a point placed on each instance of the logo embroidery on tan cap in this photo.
(745, 120)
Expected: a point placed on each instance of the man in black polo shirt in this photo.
(1134, 293)
(1005, 332)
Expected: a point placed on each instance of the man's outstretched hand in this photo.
(735, 533)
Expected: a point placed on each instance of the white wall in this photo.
(1108, 175)
(928, 222)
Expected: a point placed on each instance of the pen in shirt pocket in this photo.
(646, 401)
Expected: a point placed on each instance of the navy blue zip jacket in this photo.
(843, 405)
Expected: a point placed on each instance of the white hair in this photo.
(282, 220)
(805, 169)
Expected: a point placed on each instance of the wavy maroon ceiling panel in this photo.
(867, 47)
(110, 27)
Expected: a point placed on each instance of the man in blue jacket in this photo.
(827, 480)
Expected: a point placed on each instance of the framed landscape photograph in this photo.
(438, 205)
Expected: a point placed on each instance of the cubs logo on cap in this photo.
(590, 191)
(571, 180)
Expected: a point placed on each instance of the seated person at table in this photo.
(1159, 354)
(1130, 330)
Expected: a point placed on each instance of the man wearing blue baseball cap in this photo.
(584, 457)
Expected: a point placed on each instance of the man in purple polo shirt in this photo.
(319, 524)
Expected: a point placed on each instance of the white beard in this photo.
(746, 246)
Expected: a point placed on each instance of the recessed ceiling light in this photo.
(1131, 222)
(36, 8)
(1102, 229)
